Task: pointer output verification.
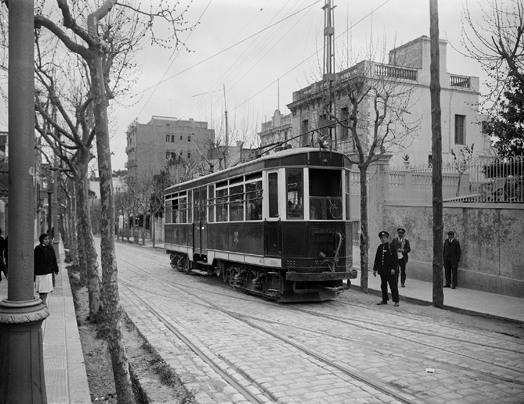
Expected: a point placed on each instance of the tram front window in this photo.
(325, 194)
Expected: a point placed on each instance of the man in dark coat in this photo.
(402, 247)
(451, 260)
(386, 264)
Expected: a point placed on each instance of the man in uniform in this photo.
(386, 264)
(402, 247)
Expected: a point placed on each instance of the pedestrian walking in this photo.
(386, 264)
(402, 247)
(45, 265)
(451, 260)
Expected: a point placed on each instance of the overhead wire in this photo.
(312, 55)
(163, 79)
(254, 55)
(222, 51)
(169, 67)
(262, 55)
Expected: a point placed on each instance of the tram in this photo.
(277, 226)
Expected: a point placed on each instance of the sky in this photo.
(249, 56)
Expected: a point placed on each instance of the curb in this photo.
(458, 310)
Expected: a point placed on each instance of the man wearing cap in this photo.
(386, 264)
(401, 246)
(451, 260)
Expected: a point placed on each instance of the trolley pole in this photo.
(21, 314)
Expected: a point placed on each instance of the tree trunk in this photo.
(73, 248)
(152, 221)
(85, 226)
(436, 150)
(111, 298)
(82, 260)
(135, 235)
(364, 231)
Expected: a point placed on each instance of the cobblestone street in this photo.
(232, 347)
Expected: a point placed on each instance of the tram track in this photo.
(353, 373)
(250, 320)
(413, 357)
(498, 340)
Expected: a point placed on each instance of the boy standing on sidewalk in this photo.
(402, 247)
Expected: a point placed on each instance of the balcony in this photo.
(459, 81)
(395, 72)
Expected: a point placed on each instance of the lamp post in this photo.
(21, 314)
(49, 210)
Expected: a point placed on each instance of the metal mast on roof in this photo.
(329, 63)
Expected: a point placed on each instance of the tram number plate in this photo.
(320, 235)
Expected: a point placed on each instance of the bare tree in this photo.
(371, 104)
(497, 42)
(97, 52)
(67, 130)
(461, 161)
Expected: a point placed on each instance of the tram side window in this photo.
(348, 180)
(174, 211)
(273, 194)
(189, 207)
(168, 210)
(236, 203)
(295, 194)
(254, 200)
(325, 191)
(182, 210)
(203, 204)
(196, 207)
(222, 203)
(211, 203)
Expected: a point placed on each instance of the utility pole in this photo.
(329, 63)
(227, 132)
(436, 150)
(21, 314)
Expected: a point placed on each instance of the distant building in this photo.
(409, 66)
(119, 186)
(164, 141)
(222, 157)
(277, 130)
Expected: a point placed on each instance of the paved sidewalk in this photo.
(463, 300)
(64, 367)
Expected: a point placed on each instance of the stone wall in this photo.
(491, 237)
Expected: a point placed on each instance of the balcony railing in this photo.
(459, 81)
(396, 72)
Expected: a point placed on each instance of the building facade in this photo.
(164, 141)
(407, 76)
(277, 130)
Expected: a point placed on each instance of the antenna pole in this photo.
(227, 132)
(329, 63)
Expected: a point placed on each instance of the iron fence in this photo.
(486, 180)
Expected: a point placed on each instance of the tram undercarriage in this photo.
(281, 286)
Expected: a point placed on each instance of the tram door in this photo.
(273, 241)
(200, 222)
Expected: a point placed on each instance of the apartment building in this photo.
(164, 141)
(408, 68)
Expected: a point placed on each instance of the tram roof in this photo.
(302, 156)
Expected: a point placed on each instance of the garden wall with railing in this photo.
(483, 204)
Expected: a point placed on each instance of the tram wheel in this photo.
(187, 266)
